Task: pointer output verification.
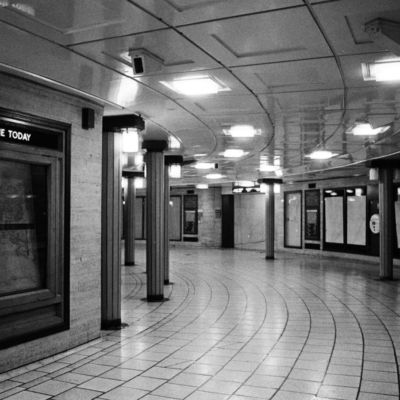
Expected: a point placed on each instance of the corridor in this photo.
(236, 326)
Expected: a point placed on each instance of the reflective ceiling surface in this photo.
(293, 70)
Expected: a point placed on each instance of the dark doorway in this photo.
(228, 221)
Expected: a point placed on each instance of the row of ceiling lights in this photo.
(387, 70)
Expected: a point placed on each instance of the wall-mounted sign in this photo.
(21, 134)
(374, 223)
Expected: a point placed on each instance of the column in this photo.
(268, 185)
(167, 190)
(155, 246)
(111, 231)
(269, 222)
(386, 221)
(130, 198)
(169, 160)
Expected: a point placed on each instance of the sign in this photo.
(312, 210)
(31, 136)
(374, 223)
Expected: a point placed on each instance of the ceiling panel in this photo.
(221, 105)
(175, 53)
(182, 12)
(277, 36)
(343, 22)
(327, 100)
(292, 76)
(80, 21)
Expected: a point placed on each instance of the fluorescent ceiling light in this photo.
(174, 143)
(381, 71)
(196, 86)
(202, 186)
(233, 153)
(245, 183)
(130, 141)
(242, 131)
(268, 168)
(199, 155)
(364, 128)
(175, 171)
(214, 176)
(204, 165)
(279, 172)
(321, 155)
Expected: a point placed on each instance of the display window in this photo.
(293, 217)
(34, 222)
(345, 219)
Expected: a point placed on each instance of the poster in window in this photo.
(312, 209)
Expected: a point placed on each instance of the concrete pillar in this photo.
(386, 222)
(111, 231)
(155, 209)
(270, 222)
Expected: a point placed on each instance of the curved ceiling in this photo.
(291, 69)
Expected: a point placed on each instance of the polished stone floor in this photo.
(237, 327)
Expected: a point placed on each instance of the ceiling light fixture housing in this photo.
(196, 86)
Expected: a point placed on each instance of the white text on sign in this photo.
(15, 135)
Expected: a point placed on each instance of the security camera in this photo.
(144, 62)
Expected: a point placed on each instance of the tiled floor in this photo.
(236, 327)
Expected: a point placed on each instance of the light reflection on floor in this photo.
(237, 326)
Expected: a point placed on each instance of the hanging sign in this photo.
(374, 223)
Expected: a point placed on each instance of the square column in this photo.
(155, 246)
(386, 218)
(111, 230)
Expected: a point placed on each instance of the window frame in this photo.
(36, 313)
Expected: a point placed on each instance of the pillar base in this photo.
(129, 264)
(111, 324)
(155, 298)
(167, 282)
(270, 258)
(385, 278)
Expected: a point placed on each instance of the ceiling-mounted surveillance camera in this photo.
(144, 62)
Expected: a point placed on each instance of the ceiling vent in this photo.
(144, 62)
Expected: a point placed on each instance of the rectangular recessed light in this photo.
(321, 155)
(233, 153)
(242, 131)
(204, 165)
(196, 86)
(381, 71)
(364, 128)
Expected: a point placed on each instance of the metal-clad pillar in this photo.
(169, 160)
(269, 222)
(386, 218)
(130, 215)
(155, 246)
(111, 218)
(269, 216)
(111, 231)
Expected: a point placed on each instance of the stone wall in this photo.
(85, 235)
